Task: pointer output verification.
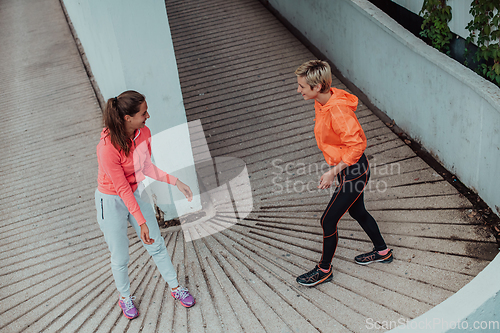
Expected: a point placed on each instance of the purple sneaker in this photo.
(128, 307)
(183, 295)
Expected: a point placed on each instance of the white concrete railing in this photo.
(475, 307)
(453, 112)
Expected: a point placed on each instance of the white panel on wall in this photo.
(129, 46)
(459, 10)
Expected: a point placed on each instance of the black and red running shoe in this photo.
(374, 256)
(315, 277)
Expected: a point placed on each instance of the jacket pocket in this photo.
(102, 210)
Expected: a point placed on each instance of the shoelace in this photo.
(128, 302)
(312, 272)
(181, 293)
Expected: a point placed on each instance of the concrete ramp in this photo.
(236, 64)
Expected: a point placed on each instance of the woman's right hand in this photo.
(145, 235)
(327, 179)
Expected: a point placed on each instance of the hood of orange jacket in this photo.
(337, 130)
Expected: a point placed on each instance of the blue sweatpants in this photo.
(113, 218)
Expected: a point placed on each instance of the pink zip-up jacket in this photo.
(120, 174)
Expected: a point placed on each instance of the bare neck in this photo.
(324, 97)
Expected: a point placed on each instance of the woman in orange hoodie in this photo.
(342, 140)
(124, 157)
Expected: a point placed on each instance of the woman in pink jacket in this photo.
(124, 157)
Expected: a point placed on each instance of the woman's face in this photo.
(305, 90)
(139, 119)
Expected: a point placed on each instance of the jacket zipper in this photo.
(135, 147)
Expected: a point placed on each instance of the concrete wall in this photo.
(128, 46)
(450, 110)
(459, 10)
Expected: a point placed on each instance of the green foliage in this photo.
(484, 31)
(436, 16)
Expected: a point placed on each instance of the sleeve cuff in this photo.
(139, 218)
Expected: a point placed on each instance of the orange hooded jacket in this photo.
(337, 130)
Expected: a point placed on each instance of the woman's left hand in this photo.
(145, 235)
(184, 189)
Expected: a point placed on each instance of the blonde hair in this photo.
(316, 72)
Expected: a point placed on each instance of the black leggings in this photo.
(348, 196)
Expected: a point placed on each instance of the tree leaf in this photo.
(496, 68)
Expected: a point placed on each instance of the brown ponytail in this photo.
(127, 103)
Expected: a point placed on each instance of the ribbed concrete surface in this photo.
(236, 65)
